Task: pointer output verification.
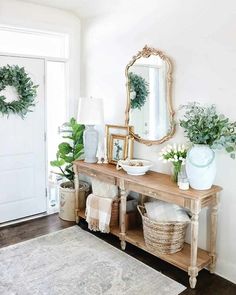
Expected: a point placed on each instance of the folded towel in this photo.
(98, 213)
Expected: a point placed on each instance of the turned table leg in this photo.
(76, 183)
(213, 230)
(123, 200)
(193, 269)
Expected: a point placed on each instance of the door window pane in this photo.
(19, 41)
(56, 116)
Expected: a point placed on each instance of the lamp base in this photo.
(91, 160)
(90, 144)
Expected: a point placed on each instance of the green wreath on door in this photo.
(17, 77)
(139, 86)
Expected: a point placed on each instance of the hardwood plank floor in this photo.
(207, 284)
(26, 230)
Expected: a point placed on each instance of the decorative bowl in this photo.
(134, 167)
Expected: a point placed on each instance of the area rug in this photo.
(72, 261)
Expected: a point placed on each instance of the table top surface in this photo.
(153, 180)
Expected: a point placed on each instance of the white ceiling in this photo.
(83, 8)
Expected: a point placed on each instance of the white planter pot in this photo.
(201, 167)
(67, 200)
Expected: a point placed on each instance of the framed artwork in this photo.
(117, 129)
(124, 131)
(118, 149)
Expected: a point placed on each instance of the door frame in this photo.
(45, 60)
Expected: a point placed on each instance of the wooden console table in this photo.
(159, 186)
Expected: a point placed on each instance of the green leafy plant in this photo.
(69, 151)
(203, 125)
(26, 90)
(138, 85)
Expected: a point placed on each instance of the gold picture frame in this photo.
(119, 130)
(118, 148)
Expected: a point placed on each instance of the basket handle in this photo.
(139, 209)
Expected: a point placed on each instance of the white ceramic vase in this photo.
(201, 167)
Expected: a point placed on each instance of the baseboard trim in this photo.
(226, 270)
(21, 220)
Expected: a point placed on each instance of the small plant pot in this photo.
(67, 199)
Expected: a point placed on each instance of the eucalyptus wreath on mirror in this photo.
(139, 86)
(17, 77)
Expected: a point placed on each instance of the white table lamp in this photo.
(90, 113)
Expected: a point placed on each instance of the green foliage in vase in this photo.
(203, 125)
(70, 150)
(138, 85)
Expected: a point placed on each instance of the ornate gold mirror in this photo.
(149, 102)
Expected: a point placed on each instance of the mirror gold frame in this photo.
(147, 52)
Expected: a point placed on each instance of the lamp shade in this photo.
(90, 111)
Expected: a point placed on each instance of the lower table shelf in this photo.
(82, 214)
(180, 259)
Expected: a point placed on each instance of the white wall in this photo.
(18, 13)
(199, 36)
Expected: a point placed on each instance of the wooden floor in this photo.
(207, 284)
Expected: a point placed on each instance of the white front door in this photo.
(22, 151)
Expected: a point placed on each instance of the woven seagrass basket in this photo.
(163, 237)
(115, 213)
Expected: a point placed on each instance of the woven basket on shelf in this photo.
(163, 237)
(114, 213)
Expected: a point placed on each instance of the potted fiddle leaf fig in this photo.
(68, 151)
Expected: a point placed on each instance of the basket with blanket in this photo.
(102, 207)
(164, 226)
